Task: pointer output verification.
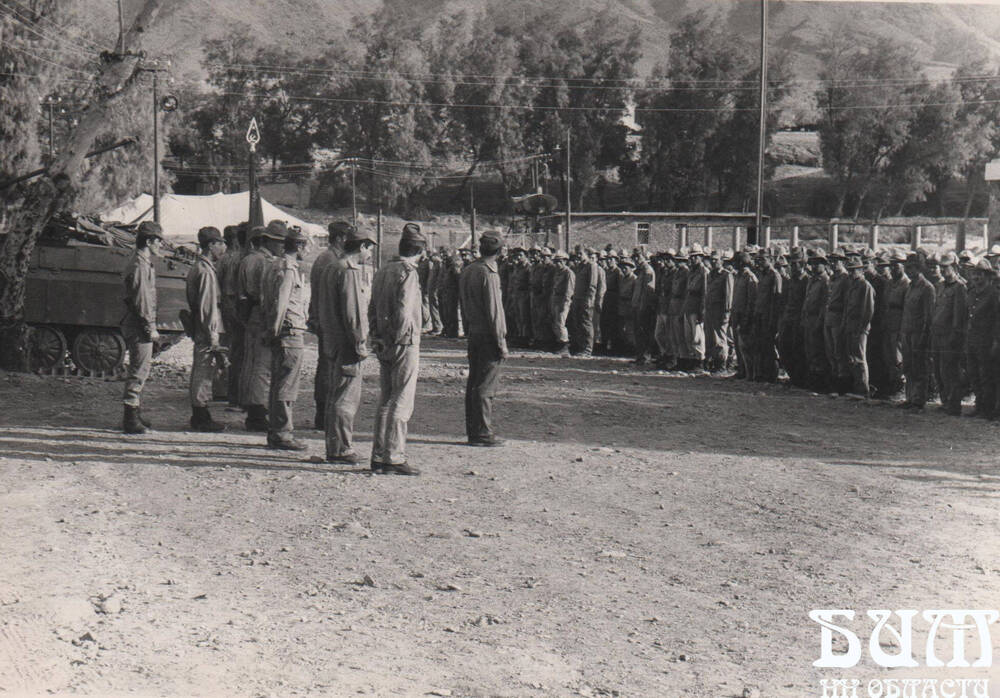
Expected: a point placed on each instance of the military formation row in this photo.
(848, 322)
(248, 310)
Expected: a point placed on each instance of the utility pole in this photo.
(156, 145)
(763, 115)
(121, 29)
(569, 197)
(472, 207)
(354, 196)
(52, 149)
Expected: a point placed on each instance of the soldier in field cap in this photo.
(139, 322)
(487, 339)
(395, 321)
(203, 297)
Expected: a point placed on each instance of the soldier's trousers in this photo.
(559, 330)
(399, 365)
(892, 357)
(948, 369)
(982, 372)
(857, 358)
(202, 374)
(662, 335)
(256, 376)
(523, 303)
(766, 353)
(645, 331)
(140, 361)
(234, 339)
(916, 364)
(434, 304)
(817, 364)
(836, 350)
(878, 376)
(449, 317)
(597, 314)
(321, 381)
(746, 350)
(539, 319)
(484, 374)
(286, 363)
(610, 331)
(694, 337)
(677, 338)
(581, 330)
(716, 340)
(792, 353)
(342, 401)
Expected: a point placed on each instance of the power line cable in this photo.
(12, 14)
(45, 60)
(63, 30)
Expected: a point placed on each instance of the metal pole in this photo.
(156, 152)
(51, 139)
(569, 198)
(472, 206)
(354, 197)
(763, 112)
(121, 29)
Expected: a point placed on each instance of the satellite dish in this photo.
(536, 204)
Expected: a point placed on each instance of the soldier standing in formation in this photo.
(859, 307)
(337, 230)
(563, 287)
(487, 340)
(139, 322)
(203, 297)
(227, 272)
(718, 310)
(344, 294)
(395, 322)
(256, 374)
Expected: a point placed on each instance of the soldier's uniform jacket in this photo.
(984, 314)
(766, 301)
(892, 300)
(480, 292)
(694, 297)
(744, 297)
(678, 290)
(880, 284)
(563, 287)
(283, 298)
(859, 306)
(548, 280)
(613, 279)
(202, 286)
(719, 296)
(504, 269)
(585, 285)
(395, 313)
(520, 281)
(625, 290)
(664, 281)
(325, 258)
(795, 298)
(345, 294)
(950, 310)
(602, 286)
(918, 306)
(644, 292)
(139, 280)
(814, 304)
(835, 299)
(227, 272)
(536, 279)
(251, 275)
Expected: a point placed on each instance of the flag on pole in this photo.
(256, 216)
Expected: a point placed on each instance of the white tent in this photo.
(182, 216)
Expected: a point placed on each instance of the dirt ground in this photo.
(642, 534)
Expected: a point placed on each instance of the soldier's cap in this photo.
(948, 259)
(855, 262)
(491, 241)
(984, 266)
(590, 250)
(714, 255)
(912, 257)
(356, 235)
(729, 255)
(744, 257)
(560, 254)
(932, 259)
(149, 229)
(798, 255)
(545, 252)
(295, 234)
(782, 261)
(208, 235)
(897, 256)
(340, 228)
(868, 253)
(276, 230)
(411, 233)
(839, 253)
(965, 255)
(627, 262)
(994, 251)
(818, 255)
(256, 232)
(696, 250)
(670, 252)
(969, 261)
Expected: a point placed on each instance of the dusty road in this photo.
(643, 534)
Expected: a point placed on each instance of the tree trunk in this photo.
(44, 198)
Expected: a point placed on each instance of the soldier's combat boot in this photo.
(142, 418)
(201, 420)
(131, 423)
(256, 418)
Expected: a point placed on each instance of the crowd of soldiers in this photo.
(249, 310)
(851, 321)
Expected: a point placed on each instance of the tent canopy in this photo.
(182, 216)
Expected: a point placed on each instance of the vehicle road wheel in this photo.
(99, 351)
(48, 348)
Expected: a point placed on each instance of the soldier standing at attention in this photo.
(206, 324)
(984, 313)
(256, 374)
(345, 292)
(833, 328)
(694, 310)
(948, 335)
(582, 307)
(602, 290)
(892, 311)
(661, 331)
(285, 314)
(790, 339)
(563, 283)
(539, 302)
(487, 334)
(139, 322)
(448, 294)
(394, 321)
(675, 309)
(718, 307)
(859, 307)
(335, 249)
(765, 323)
(744, 296)
(227, 270)
(915, 333)
(813, 313)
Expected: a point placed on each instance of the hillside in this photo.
(937, 33)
